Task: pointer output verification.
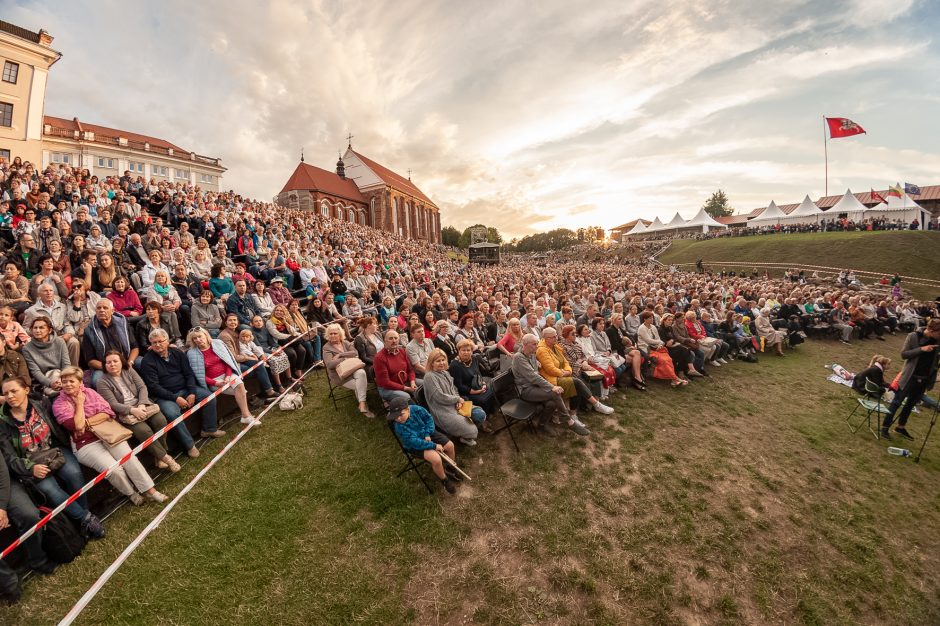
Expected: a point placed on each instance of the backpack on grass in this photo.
(60, 539)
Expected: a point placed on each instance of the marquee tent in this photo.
(848, 205)
(676, 222)
(807, 212)
(655, 226)
(904, 208)
(704, 221)
(638, 229)
(770, 216)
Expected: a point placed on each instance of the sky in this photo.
(525, 116)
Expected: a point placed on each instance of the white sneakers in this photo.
(715, 363)
(249, 419)
(602, 408)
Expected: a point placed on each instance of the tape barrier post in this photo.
(127, 457)
(89, 595)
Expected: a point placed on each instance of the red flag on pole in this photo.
(877, 196)
(843, 127)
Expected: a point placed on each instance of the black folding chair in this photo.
(414, 462)
(514, 409)
(873, 404)
(338, 392)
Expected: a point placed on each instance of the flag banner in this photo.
(895, 190)
(843, 127)
(911, 190)
(877, 196)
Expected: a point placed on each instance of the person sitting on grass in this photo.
(874, 373)
(414, 427)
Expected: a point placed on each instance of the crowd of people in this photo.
(125, 302)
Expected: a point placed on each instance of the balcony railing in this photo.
(55, 131)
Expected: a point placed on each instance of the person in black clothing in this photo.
(874, 373)
(921, 363)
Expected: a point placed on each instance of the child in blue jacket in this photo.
(414, 427)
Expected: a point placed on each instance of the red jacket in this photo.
(126, 303)
(388, 368)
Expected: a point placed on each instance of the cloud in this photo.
(525, 117)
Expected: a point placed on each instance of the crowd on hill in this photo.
(125, 302)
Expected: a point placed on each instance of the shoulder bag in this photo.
(110, 432)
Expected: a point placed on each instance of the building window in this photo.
(6, 114)
(10, 71)
(108, 163)
(158, 170)
(61, 157)
(135, 167)
(181, 173)
(5, 155)
(206, 178)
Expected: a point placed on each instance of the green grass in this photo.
(739, 500)
(908, 253)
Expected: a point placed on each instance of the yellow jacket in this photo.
(549, 360)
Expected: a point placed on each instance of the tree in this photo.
(557, 239)
(717, 205)
(450, 236)
(492, 235)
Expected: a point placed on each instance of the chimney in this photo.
(45, 39)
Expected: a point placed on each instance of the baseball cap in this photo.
(396, 407)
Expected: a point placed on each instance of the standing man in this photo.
(921, 363)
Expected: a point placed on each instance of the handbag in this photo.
(110, 432)
(50, 457)
(278, 362)
(348, 367)
(149, 411)
(466, 408)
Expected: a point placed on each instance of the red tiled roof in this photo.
(104, 131)
(309, 178)
(629, 225)
(394, 180)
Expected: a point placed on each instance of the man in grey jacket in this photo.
(921, 363)
(532, 387)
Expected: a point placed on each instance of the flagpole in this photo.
(826, 153)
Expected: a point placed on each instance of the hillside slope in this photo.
(908, 253)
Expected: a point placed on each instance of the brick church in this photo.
(364, 192)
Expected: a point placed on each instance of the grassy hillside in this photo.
(742, 499)
(905, 252)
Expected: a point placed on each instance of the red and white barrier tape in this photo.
(119, 561)
(127, 457)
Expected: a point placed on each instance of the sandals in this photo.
(367, 413)
(639, 384)
(679, 383)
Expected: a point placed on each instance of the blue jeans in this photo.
(71, 476)
(478, 415)
(171, 410)
(388, 395)
(261, 373)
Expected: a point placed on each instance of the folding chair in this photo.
(514, 409)
(338, 392)
(873, 404)
(420, 399)
(414, 462)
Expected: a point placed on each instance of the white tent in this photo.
(770, 216)
(848, 205)
(655, 226)
(807, 212)
(903, 208)
(638, 229)
(705, 221)
(676, 221)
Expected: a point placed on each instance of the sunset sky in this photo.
(525, 116)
